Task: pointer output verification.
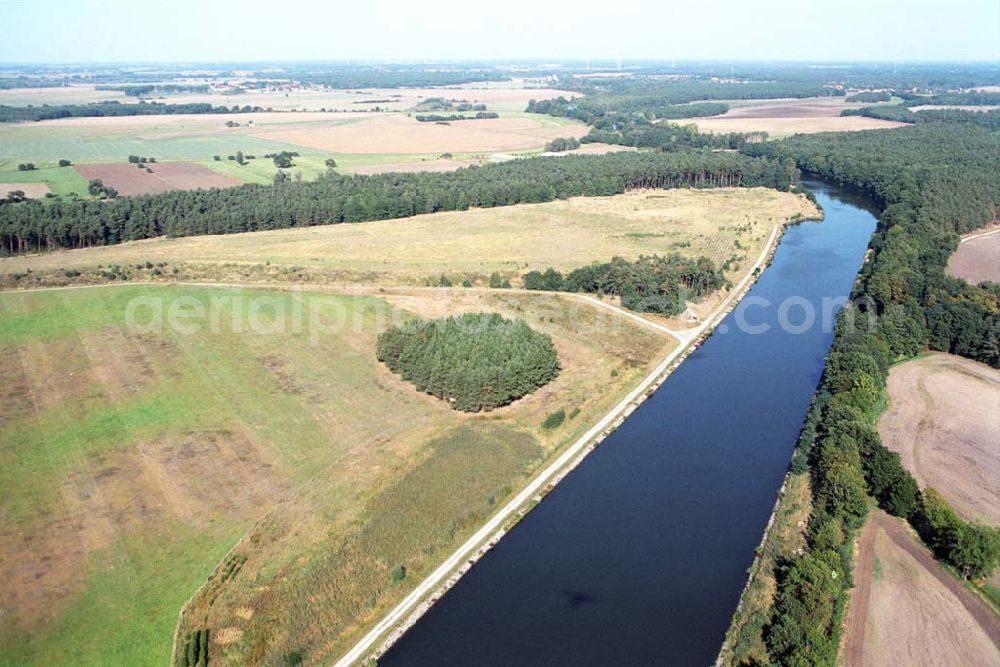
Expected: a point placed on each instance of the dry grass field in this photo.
(721, 224)
(977, 259)
(906, 609)
(134, 458)
(161, 177)
(398, 133)
(944, 420)
(316, 572)
(785, 117)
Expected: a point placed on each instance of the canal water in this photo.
(639, 556)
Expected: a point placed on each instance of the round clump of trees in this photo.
(477, 361)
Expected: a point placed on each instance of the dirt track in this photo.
(910, 610)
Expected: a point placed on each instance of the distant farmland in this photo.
(355, 135)
(784, 117)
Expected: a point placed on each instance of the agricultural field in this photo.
(399, 133)
(58, 180)
(497, 95)
(72, 94)
(906, 609)
(944, 420)
(30, 190)
(361, 140)
(784, 117)
(721, 224)
(136, 457)
(129, 180)
(977, 258)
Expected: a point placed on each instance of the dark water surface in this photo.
(639, 556)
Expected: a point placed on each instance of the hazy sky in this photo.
(199, 30)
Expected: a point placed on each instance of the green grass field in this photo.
(61, 180)
(134, 459)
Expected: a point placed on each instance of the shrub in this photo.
(65, 163)
(554, 420)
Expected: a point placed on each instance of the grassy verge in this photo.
(744, 643)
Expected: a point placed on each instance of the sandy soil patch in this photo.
(602, 149)
(977, 258)
(119, 362)
(785, 126)
(412, 167)
(397, 133)
(944, 420)
(908, 610)
(131, 180)
(15, 388)
(30, 190)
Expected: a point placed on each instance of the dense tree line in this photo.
(148, 89)
(652, 284)
(476, 361)
(869, 96)
(32, 226)
(658, 99)
(951, 98)
(903, 114)
(439, 118)
(641, 133)
(562, 144)
(633, 113)
(386, 76)
(931, 182)
(10, 114)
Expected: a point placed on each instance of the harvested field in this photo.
(788, 116)
(30, 190)
(411, 167)
(131, 180)
(721, 224)
(944, 420)
(396, 133)
(906, 609)
(977, 258)
(133, 459)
